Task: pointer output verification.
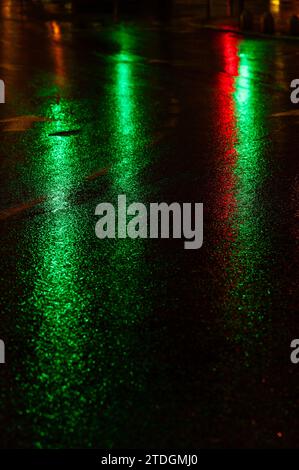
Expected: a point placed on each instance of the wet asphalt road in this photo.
(140, 343)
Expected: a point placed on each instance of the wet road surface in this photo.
(140, 343)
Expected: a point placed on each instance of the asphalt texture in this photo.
(140, 343)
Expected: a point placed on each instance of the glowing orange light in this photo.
(56, 30)
(57, 51)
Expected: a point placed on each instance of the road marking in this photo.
(95, 175)
(12, 211)
(5, 214)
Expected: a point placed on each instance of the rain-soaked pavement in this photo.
(140, 343)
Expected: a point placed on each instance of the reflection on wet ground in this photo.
(121, 343)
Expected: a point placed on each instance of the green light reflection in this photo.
(129, 122)
(250, 295)
(57, 300)
(85, 355)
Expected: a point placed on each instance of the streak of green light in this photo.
(250, 292)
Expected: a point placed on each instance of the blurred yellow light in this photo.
(275, 6)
